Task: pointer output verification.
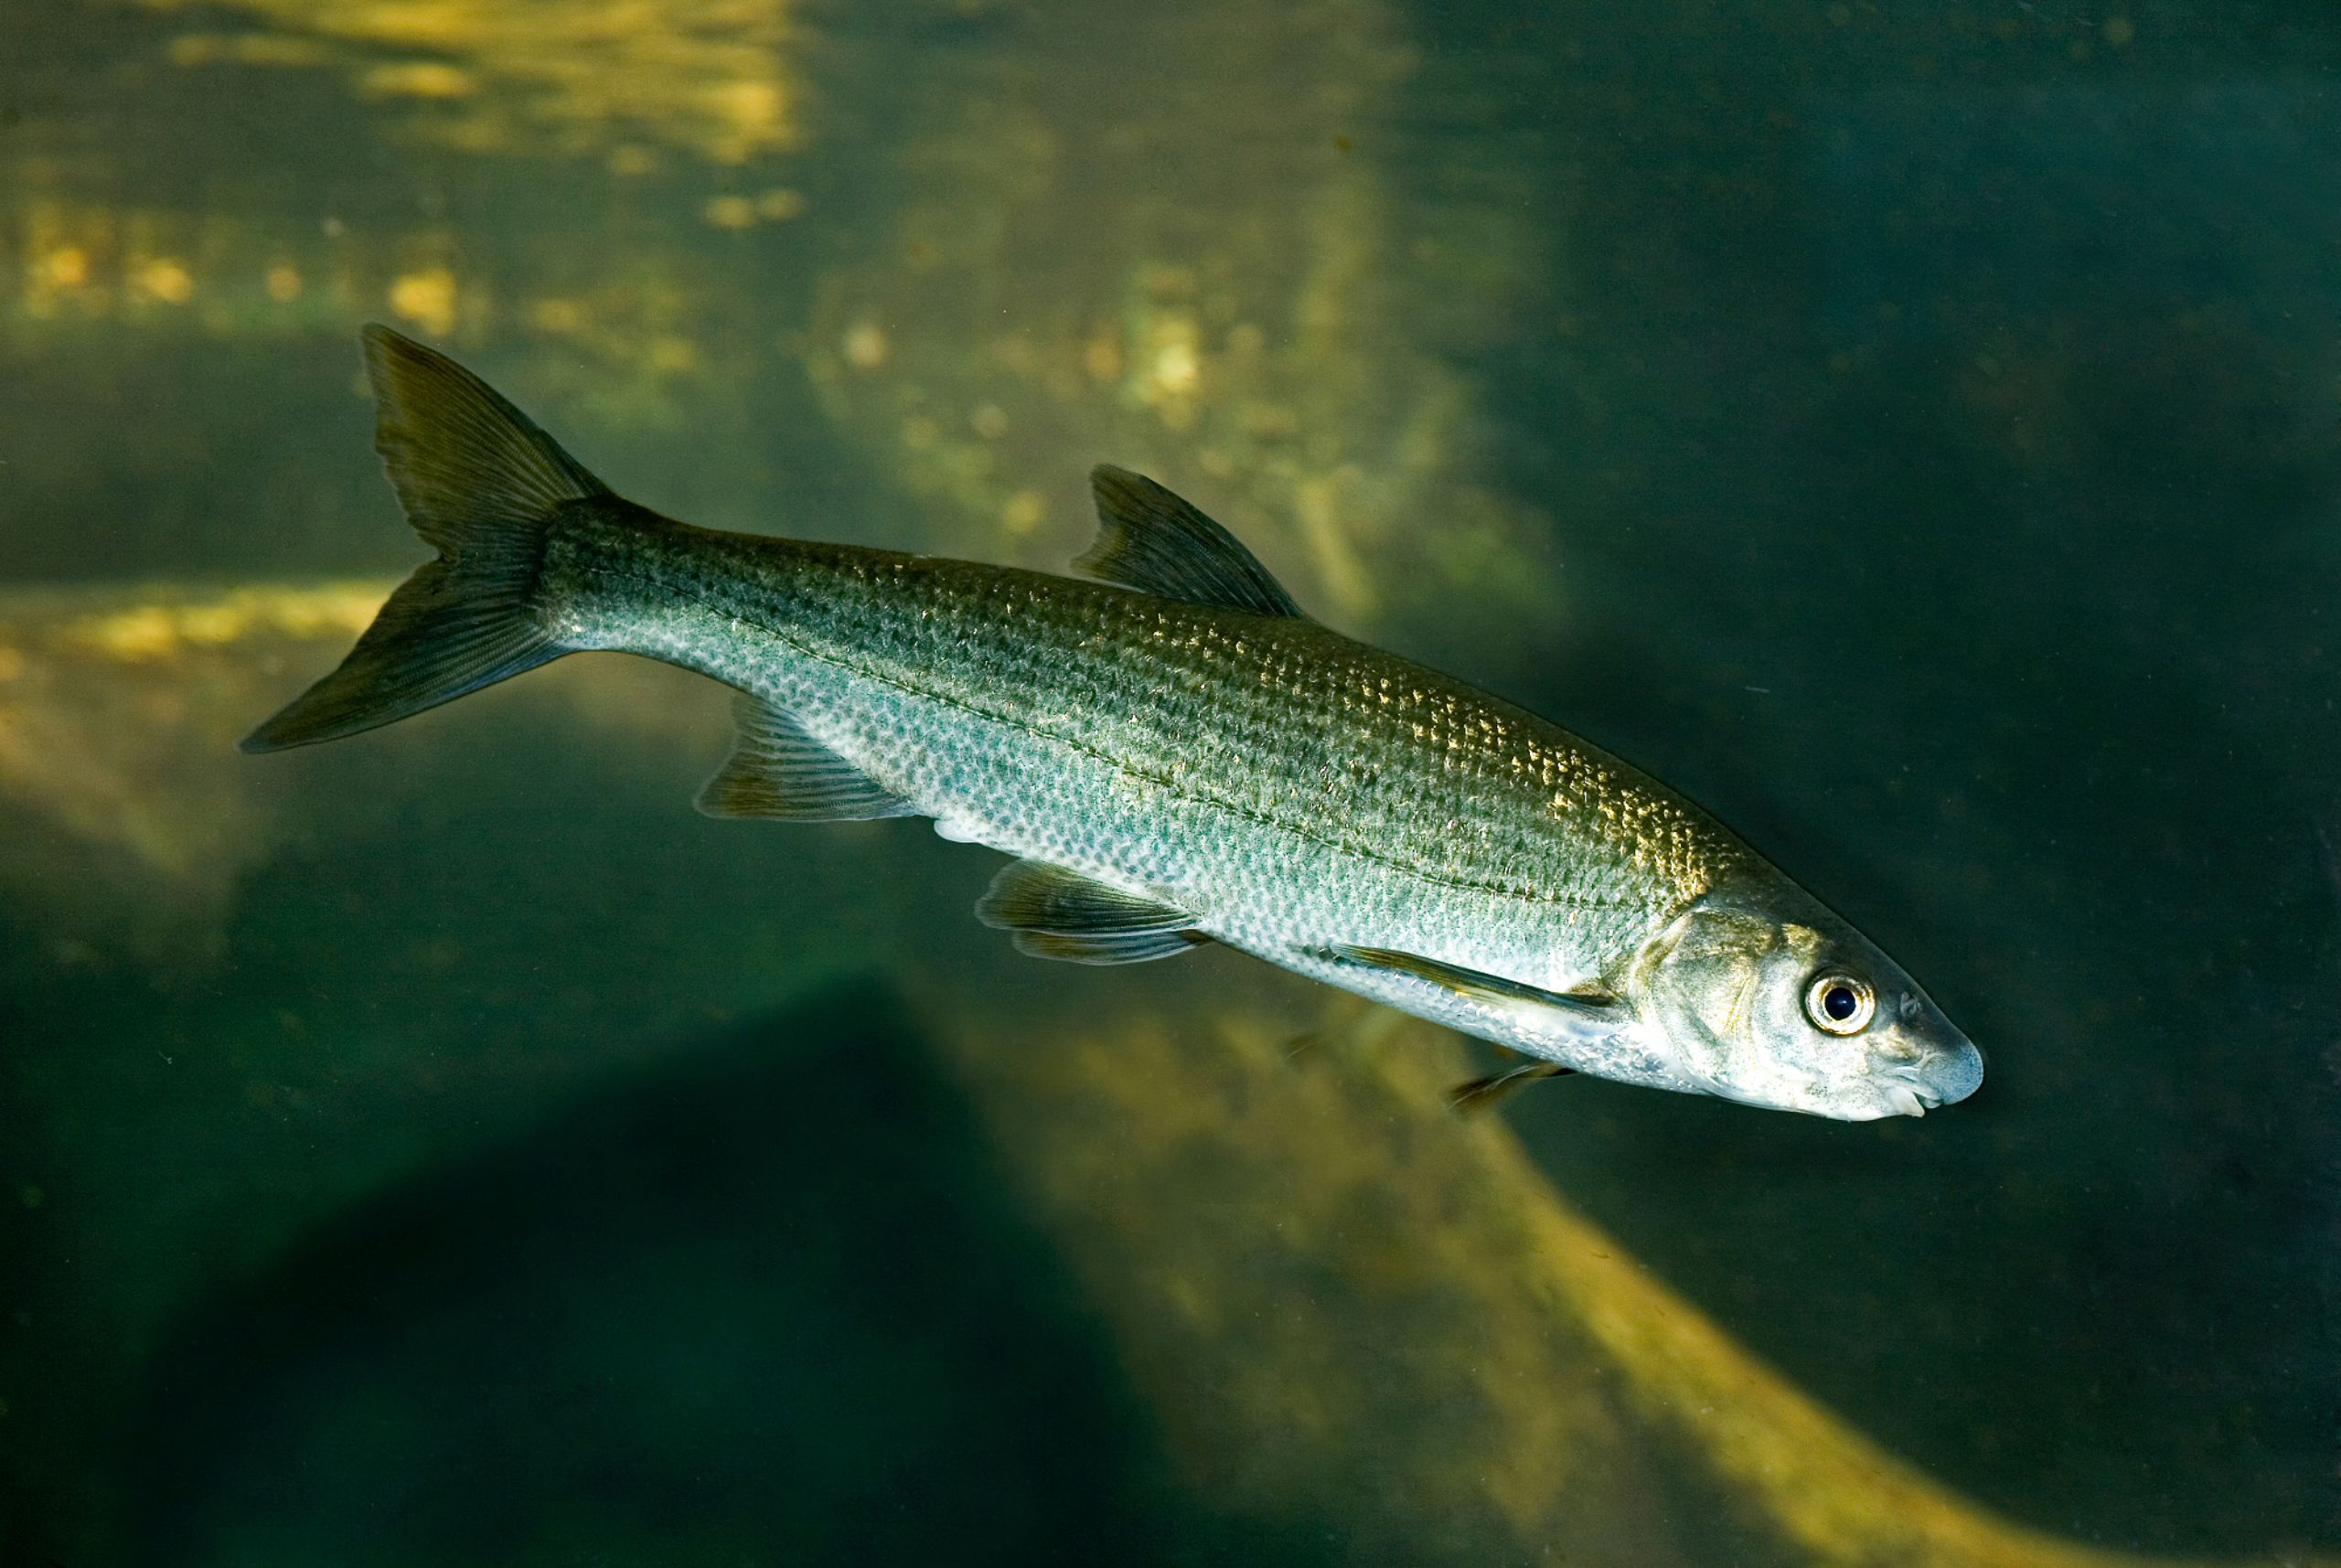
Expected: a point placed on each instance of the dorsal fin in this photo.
(1149, 540)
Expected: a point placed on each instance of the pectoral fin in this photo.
(1057, 913)
(1593, 1010)
(778, 772)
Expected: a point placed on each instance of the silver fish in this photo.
(1174, 752)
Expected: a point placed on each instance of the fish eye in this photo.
(1840, 1003)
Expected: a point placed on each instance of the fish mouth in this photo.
(1904, 1097)
(1945, 1080)
(1901, 1093)
(1953, 1076)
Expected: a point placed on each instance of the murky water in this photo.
(1910, 436)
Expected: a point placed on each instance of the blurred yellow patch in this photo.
(416, 78)
(1022, 512)
(170, 627)
(711, 76)
(731, 212)
(776, 206)
(865, 346)
(68, 268)
(671, 355)
(631, 161)
(246, 49)
(556, 315)
(164, 278)
(426, 298)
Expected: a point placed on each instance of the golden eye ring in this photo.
(1839, 1003)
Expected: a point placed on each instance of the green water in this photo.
(1910, 436)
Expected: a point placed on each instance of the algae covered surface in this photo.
(1910, 436)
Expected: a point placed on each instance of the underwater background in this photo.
(1909, 431)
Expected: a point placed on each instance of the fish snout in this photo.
(1943, 1075)
(1952, 1074)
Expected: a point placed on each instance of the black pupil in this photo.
(1839, 1002)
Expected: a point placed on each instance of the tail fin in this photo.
(480, 482)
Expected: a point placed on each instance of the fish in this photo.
(1172, 752)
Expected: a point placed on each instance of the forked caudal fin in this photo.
(480, 482)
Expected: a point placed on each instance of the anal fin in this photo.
(779, 773)
(1057, 913)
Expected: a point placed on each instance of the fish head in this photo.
(1798, 1012)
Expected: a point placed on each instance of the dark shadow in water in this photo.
(771, 1303)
